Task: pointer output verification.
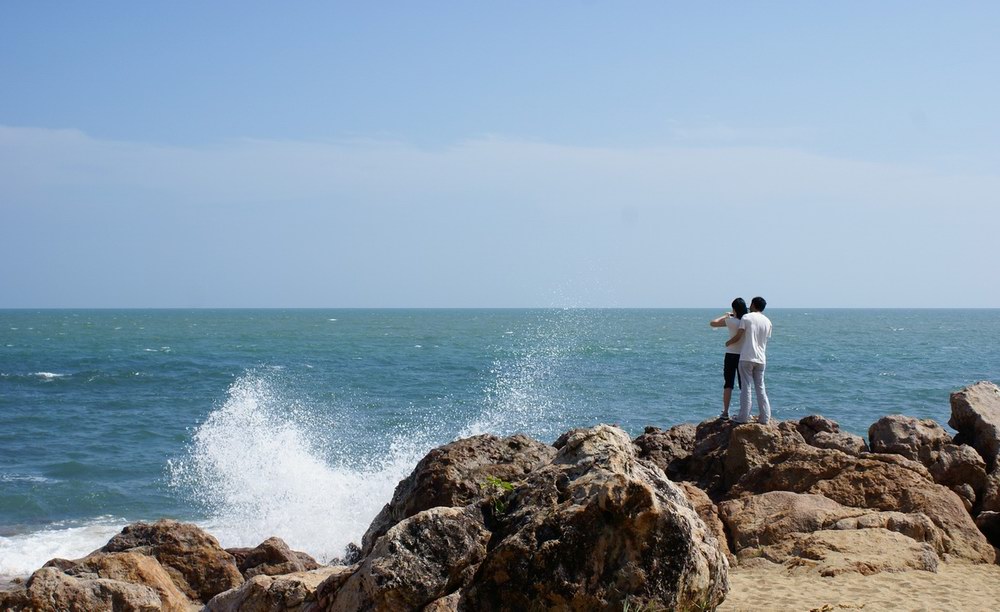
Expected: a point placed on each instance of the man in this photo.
(754, 331)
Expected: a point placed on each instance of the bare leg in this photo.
(727, 395)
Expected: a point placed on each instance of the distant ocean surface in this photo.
(299, 423)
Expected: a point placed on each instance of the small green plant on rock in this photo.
(496, 490)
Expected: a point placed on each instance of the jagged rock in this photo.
(821, 432)
(50, 590)
(876, 481)
(419, 560)
(595, 526)
(975, 415)
(294, 592)
(452, 475)
(448, 603)
(196, 563)
(990, 497)
(135, 569)
(271, 557)
(669, 449)
(912, 438)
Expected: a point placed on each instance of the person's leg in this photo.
(746, 373)
(763, 405)
(727, 396)
(728, 378)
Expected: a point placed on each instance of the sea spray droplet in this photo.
(256, 465)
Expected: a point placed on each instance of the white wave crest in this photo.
(48, 375)
(257, 466)
(22, 554)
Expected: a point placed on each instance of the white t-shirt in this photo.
(756, 330)
(733, 324)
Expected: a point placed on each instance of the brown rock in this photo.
(821, 432)
(594, 527)
(959, 465)
(875, 481)
(194, 560)
(445, 604)
(989, 523)
(975, 414)
(295, 592)
(752, 445)
(271, 557)
(135, 569)
(51, 590)
(708, 512)
(912, 438)
(453, 475)
(419, 560)
(669, 449)
(835, 552)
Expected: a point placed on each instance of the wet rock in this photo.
(453, 476)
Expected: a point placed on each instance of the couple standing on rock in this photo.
(746, 358)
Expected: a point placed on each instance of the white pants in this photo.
(753, 371)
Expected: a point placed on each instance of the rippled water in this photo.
(299, 423)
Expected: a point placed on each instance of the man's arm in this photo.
(736, 338)
(721, 321)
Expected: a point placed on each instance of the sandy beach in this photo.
(955, 586)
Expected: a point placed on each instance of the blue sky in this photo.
(648, 154)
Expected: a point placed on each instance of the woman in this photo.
(730, 375)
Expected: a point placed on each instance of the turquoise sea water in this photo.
(299, 423)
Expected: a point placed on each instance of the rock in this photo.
(989, 523)
(773, 517)
(875, 481)
(863, 551)
(452, 475)
(50, 590)
(295, 592)
(752, 445)
(975, 414)
(967, 495)
(912, 438)
(669, 449)
(271, 557)
(708, 512)
(196, 563)
(990, 497)
(135, 569)
(448, 603)
(821, 432)
(959, 465)
(419, 560)
(595, 527)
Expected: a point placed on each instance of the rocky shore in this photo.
(597, 521)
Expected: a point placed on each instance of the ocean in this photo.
(299, 423)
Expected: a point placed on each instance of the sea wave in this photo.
(23, 553)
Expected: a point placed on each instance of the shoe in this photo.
(724, 416)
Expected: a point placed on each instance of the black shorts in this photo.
(730, 371)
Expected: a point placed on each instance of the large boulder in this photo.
(453, 475)
(595, 528)
(771, 518)
(196, 563)
(882, 482)
(961, 469)
(975, 415)
(419, 560)
(708, 512)
(822, 432)
(135, 569)
(669, 449)
(295, 592)
(51, 590)
(271, 557)
(910, 437)
(834, 552)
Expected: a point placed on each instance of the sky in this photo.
(499, 154)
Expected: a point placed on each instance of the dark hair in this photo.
(758, 303)
(739, 308)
